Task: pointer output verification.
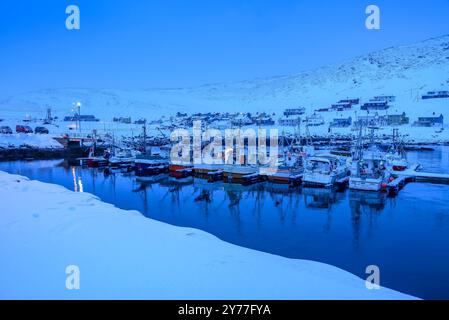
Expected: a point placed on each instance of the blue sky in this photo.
(178, 43)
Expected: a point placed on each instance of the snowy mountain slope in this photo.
(404, 71)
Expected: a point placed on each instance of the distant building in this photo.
(315, 120)
(436, 95)
(242, 120)
(263, 120)
(294, 112)
(341, 123)
(384, 98)
(371, 121)
(397, 119)
(429, 121)
(343, 106)
(126, 120)
(142, 121)
(290, 122)
(351, 101)
(375, 105)
(84, 118)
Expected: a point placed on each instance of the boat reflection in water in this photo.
(315, 198)
(348, 229)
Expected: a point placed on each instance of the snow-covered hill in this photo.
(405, 71)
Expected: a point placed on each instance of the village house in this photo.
(397, 119)
(341, 122)
(354, 101)
(344, 106)
(294, 112)
(384, 98)
(429, 121)
(436, 95)
(290, 122)
(375, 105)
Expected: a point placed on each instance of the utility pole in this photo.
(49, 117)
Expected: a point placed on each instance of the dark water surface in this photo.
(406, 236)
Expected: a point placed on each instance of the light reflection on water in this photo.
(406, 236)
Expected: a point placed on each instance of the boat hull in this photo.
(374, 185)
(149, 169)
(97, 163)
(321, 180)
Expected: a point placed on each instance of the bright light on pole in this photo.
(78, 107)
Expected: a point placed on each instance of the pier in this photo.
(409, 176)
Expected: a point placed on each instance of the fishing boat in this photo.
(286, 176)
(150, 165)
(123, 158)
(324, 170)
(240, 174)
(397, 161)
(97, 161)
(180, 170)
(369, 172)
(209, 172)
(289, 171)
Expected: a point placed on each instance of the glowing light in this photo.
(75, 186)
(80, 183)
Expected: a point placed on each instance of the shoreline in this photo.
(123, 255)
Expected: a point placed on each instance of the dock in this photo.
(408, 176)
(398, 184)
(426, 177)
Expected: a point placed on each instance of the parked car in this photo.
(41, 130)
(5, 130)
(23, 129)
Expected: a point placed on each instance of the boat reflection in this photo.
(319, 198)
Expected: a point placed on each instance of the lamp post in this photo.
(78, 108)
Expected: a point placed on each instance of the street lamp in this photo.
(78, 108)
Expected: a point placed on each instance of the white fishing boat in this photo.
(324, 170)
(124, 157)
(369, 172)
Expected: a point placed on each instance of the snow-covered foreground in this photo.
(45, 228)
(28, 140)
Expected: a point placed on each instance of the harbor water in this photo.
(407, 236)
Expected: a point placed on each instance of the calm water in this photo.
(407, 237)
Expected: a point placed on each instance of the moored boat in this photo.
(240, 174)
(150, 165)
(209, 172)
(369, 173)
(324, 170)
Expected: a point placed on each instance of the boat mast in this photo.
(145, 137)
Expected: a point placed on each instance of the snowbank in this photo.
(121, 254)
(28, 140)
